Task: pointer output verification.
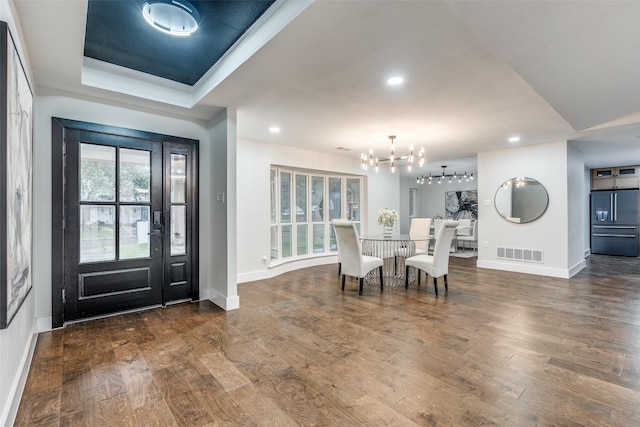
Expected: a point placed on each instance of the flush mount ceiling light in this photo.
(514, 139)
(274, 129)
(394, 81)
(370, 160)
(175, 17)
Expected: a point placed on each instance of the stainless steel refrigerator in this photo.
(614, 222)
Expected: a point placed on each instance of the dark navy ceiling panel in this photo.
(117, 33)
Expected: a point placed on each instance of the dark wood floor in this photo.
(500, 349)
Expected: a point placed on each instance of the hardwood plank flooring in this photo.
(500, 348)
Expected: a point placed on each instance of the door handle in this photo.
(615, 204)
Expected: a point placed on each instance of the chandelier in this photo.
(440, 178)
(367, 161)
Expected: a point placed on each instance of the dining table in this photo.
(386, 247)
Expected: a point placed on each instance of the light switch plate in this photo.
(220, 197)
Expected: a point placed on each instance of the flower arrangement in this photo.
(387, 217)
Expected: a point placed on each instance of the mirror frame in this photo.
(513, 183)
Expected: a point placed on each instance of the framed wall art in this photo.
(461, 204)
(16, 180)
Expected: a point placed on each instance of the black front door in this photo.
(129, 223)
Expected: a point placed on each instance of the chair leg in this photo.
(395, 265)
(339, 268)
(406, 277)
(418, 274)
(435, 285)
(361, 286)
(446, 284)
(343, 282)
(381, 279)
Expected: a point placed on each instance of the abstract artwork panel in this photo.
(461, 204)
(16, 139)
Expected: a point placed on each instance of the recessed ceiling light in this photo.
(274, 129)
(394, 81)
(514, 139)
(175, 17)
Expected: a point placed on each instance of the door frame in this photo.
(58, 129)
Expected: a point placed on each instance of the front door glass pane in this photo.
(285, 197)
(302, 239)
(97, 173)
(335, 198)
(135, 175)
(318, 238)
(301, 198)
(178, 178)
(353, 199)
(286, 241)
(317, 197)
(97, 233)
(134, 232)
(178, 230)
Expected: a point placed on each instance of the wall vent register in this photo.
(519, 254)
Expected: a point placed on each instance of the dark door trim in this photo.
(59, 126)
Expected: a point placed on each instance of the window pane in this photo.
(413, 198)
(134, 232)
(285, 197)
(178, 230)
(335, 198)
(286, 241)
(97, 173)
(333, 247)
(274, 242)
(178, 178)
(353, 199)
(135, 175)
(301, 198)
(273, 189)
(317, 195)
(97, 233)
(302, 240)
(318, 238)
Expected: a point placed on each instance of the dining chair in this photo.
(436, 265)
(418, 232)
(471, 236)
(436, 227)
(352, 262)
(343, 221)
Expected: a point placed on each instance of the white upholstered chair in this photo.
(471, 236)
(436, 265)
(352, 262)
(419, 232)
(436, 227)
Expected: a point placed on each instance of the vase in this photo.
(388, 230)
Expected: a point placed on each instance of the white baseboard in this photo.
(587, 252)
(279, 269)
(225, 303)
(576, 268)
(19, 382)
(43, 324)
(525, 268)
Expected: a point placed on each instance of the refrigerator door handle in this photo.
(615, 205)
(615, 226)
(611, 203)
(628, 236)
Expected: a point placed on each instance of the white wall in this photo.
(218, 253)
(17, 340)
(550, 164)
(253, 203)
(576, 202)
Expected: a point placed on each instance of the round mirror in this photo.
(521, 200)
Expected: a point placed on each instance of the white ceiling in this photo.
(476, 73)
